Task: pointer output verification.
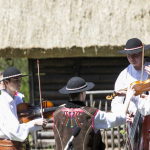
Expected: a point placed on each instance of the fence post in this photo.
(103, 138)
(91, 100)
(93, 103)
(86, 103)
(118, 129)
(106, 141)
(124, 137)
(100, 104)
(112, 138)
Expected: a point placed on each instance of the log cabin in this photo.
(72, 38)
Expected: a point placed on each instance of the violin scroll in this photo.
(108, 97)
(139, 86)
(114, 94)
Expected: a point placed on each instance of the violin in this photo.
(139, 86)
(26, 112)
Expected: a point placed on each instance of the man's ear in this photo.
(6, 82)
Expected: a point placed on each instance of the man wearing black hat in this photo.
(132, 73)
(12, 133)
(76, 114)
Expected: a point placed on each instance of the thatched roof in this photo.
(49, 28)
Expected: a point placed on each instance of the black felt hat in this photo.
(134, 45)
(76, 85)
(11, 72)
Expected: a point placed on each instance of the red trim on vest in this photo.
(53, 121)
(93, 119)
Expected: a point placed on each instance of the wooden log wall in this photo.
(55, 73)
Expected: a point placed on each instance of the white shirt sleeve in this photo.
(103, 120)
(117, 102)
(143, 105)
(11, 127)
(121, 83)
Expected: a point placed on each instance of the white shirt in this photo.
(20, 97)
(103, 120)
(143, 105)
(125, 78)
(10, 128)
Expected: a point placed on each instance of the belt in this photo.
(12, 145)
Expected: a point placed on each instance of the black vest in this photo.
(66, 119)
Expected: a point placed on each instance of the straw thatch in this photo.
(63, 24)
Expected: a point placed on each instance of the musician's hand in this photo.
(147, 68)
(121, 93)
(130, 92)
(129, 117)
(39, 122)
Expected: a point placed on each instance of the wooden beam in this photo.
(93, 51)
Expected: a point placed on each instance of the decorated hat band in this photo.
(76, 88)
(12, 76)
(133, 48)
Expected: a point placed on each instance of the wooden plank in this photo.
(45, 143)
(60, 102)
(100, 61)
(48, 126)
(55, 62)
(64, 101)
(45, 135)
(102, 78)
(55, 78)
(56, 95)
(105, 61)
(55, 70)
(51, 95)
(101, 69)
(59, 79)
(50, 134)
(34, 53)
(83, 70)
(49, 87)
(56, 87)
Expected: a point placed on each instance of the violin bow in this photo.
(40, 88)
(142, 61)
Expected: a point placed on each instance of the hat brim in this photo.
(146, 47)
(14, 77)
(89, 86)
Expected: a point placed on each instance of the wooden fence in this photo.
(111, 137)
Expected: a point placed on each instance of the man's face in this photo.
(135, 59)
(14, 84)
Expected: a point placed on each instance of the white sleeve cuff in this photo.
(30, 125)
(34, 128)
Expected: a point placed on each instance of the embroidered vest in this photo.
(66, 119)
